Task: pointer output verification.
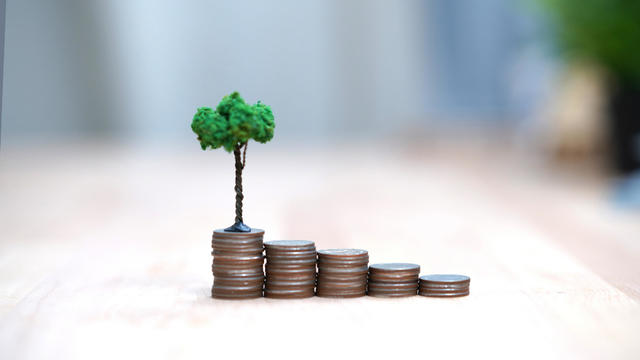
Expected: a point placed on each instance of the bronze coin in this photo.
(276, 279)
(289, 294)
(394, 268)
(237, 243)
(237, 283)
(299, 261)
(343, 271)
(281, 266)
(392, 286)
(235, 279)
(288, 255)
(341, 286)
(343, 278)
(395, 281)
(330, 294)
(443, 294)
(310, 282)
(341, 291)
(238, 257)
(221, 233)
(341, 253)
(444, 285)
(238, 273)
(236, 265)
(291, 272)
(440, 280)
(240, 252)
(345, 261)
(324, 265)
(445, 278)
(236, 290)
(225, 296)
(290, 244)
(391, 294)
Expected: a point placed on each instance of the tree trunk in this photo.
(239, 225)
(238, 187)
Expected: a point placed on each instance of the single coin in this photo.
(373, 285)
(443, 294)
(236, 252)
(301, 261)
(229, 281)
(237, 273)
(290, 271)
(288, 294)
(291, 283)
(306, 253)
(394, 267)
(217, 295)
(343, 264)
(238, 258)
(290, 244)
(342, 253)
(389, 294)
(239, 241)
(233, 234)
(340, 295)
(393, 279)
(335, 271)
(445, 278)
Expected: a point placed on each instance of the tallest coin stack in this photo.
(237, 264)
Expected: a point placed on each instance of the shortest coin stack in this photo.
(291, 269)
(342, 273)
(444, 285)
(393, 279)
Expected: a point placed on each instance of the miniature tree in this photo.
(231, 126)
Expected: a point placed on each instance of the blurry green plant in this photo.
(230, 126)
(606, 31)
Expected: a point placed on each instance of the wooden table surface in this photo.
(105, 254)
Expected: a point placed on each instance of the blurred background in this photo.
(543, 88)
(558, 79)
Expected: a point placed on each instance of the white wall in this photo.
(139, 69)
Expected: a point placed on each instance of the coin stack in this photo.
(237, 264)
(291, 269)
(342, 273)
(393, 280)
(446, 285)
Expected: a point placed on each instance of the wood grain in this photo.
(105, 253)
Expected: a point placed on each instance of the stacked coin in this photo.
(447, 285)
(342, 273)
(237, 264)
(393, 279)
(291, 269)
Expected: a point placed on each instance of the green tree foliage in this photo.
(607, 31)
(233, 123)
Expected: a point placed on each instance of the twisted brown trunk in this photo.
(238, 187)
(239, 225)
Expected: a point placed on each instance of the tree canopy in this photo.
(233, 123)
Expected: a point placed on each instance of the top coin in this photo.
(445, 278)
(221, 233)
(343, 252)
(289, 243)
(395, 267)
